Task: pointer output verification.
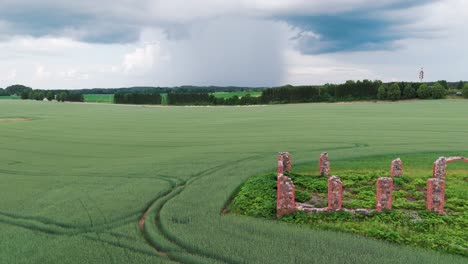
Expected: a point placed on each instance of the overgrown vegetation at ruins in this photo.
(408, 222)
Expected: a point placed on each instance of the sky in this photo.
(62, 44)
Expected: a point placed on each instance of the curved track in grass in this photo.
(79, 178)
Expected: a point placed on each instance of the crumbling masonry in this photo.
(396, 169)
(284, 162)
(435, 196)
(384, 194)
(324, 165)
(286, 194)
(285, 202)
(335, 193)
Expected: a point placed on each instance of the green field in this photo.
(10, 97)
(75, 179)
(99, 98)
(227, 95)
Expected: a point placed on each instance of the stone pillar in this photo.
(435, 195)
(384, 193)
(335, 193)
(396, 169)
(324, 165)
(438, 171)
(285, 200)
(284, 162)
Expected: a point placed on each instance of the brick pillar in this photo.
(435, 195)
(285, 199)
(396, 169)
(438, 170)
(324, 165)
(384, 193)
(284, 162)
(335, 193)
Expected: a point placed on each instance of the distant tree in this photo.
(409, 92)
(460, 85)
(39, 95)
(382, 92)
(17, 89)
(3, 92)
(424, 92)
(25, 95)
(50, 95)
(394, 92)
(465, 91)
(443, 83)
(62, 96)
(438, 91)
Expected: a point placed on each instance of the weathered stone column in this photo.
(384, 193)
(285, 200)
(335, 193)
(435, 195)
(439, 168)
(324, 165)
(284, 162)
(396, 168)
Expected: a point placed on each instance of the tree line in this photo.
(137, 98)
(50, 95)
(349, 91)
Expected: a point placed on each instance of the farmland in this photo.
(9, 97)
(98, 98)
(75, 180)
(226, 95)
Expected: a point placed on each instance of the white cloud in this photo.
(142, 59)
(42, 73)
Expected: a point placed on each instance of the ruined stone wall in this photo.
(284, 162)
(396, 169)
(384, 193)
(439, 168)
(324, 165)
(335, 193)
(285, 203)
(435, 197)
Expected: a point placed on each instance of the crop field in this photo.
(90, 183)
(9, 97)
(99, 98)
(226, 95)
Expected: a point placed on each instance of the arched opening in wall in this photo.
(441, 189)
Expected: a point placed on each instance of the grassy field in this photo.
(99, 98)
(76, 179)
(10, 97)
(226, 95)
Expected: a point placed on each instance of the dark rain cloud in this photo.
(365, 29)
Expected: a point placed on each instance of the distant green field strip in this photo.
(226, 95)
(10, 97)
(99, 98)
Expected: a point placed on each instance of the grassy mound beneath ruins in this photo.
(408, 223)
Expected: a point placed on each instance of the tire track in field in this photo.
(162, 201)
(109, 255)
(50, 226)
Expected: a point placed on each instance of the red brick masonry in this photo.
(384, 194)
(396, 168)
